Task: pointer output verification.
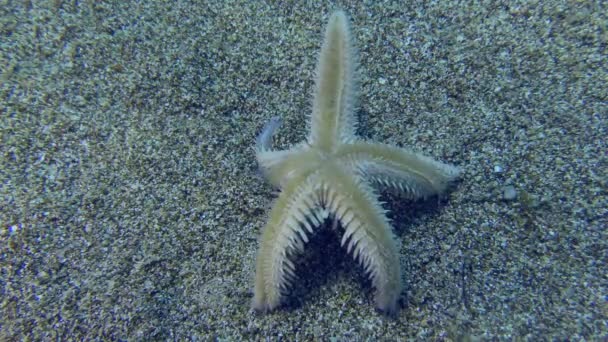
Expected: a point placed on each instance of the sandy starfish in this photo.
(325, 177)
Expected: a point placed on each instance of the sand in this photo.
(131, 203)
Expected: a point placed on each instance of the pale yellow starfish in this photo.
(325, 177)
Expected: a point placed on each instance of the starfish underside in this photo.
(330, 176)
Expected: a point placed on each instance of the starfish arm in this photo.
(263, 141)
(274, 164)
(277, 166)
(333, 115)
(281, 167)
(367, 232)
(294, 215)
(412, 174)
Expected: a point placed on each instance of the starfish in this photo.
(330, 176)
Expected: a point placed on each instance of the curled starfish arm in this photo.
(263, 142)
(281, 167)
(278, 166)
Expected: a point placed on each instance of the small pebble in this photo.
(509, 192)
